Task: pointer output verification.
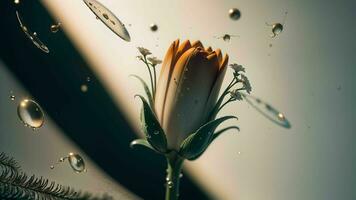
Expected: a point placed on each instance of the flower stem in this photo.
(149, 71)
(155, 81)
(174, 167)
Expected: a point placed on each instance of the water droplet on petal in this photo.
(234, 14)
(30, 113)
(76, 162)
(154, 27)
(281, 117)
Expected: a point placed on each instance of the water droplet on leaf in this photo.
(30, 113)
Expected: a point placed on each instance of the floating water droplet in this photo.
(267, 111)
(55, 27)
(51, 167)
(154, 27)
(277, 28)
(170, 184)
(32, 36)
(239, 152)
(88, 79)
(84, 88)
(17, 1)
(281, 117)
(234, 14)
(226, 37)
(76, 162)
(30, 113)
(109, 19)
(12, 97)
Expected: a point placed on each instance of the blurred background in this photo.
(307, 72)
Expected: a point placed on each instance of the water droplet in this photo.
(30, 113)
(239, 152)
(154, 27)
(281, 117)
(12, 97)
(156, 132)
(32, 36)
(16, 1)
(108, 18)
(55, 27)
(180, 175)
(234, 14)
(226, 38)
(105, 16)
(76, 162)
(170, 184)
(277, 28)
(84, 88)
(51, 167)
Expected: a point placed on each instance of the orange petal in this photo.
(218, 53)
(186, 98)
(224, 62)
(182, 48)
(209, 49)
(164, 78)
(197, 44)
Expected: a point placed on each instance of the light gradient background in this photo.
(300, 75)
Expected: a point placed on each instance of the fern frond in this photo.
(16, 185)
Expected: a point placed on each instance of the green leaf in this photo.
(197, 142)
(141, 142)
(147, 90)
(151, 127)
(216, 134)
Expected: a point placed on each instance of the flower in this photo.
(188, 88)
(154, 61)
(237, 68)
(236, 95)
(145, 52)
(246, 83)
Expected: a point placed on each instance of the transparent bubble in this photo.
(234, 14)
(154, 27)
(32, 36)
(109, 19)
(55, 27)
(277, 28)
(76, 162)
(30, 113)
(226, 37)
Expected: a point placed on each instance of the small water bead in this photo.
(277, 28)
(30, 113)
(88, 79)
(170, 184)
(12, 97)
(51, 167)
(234, 14)
(55, 27)
(281, 117)
(153, 27)
(17, 1)
(105, 16)
(226, 37)
(84, 88)
(76, 162)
